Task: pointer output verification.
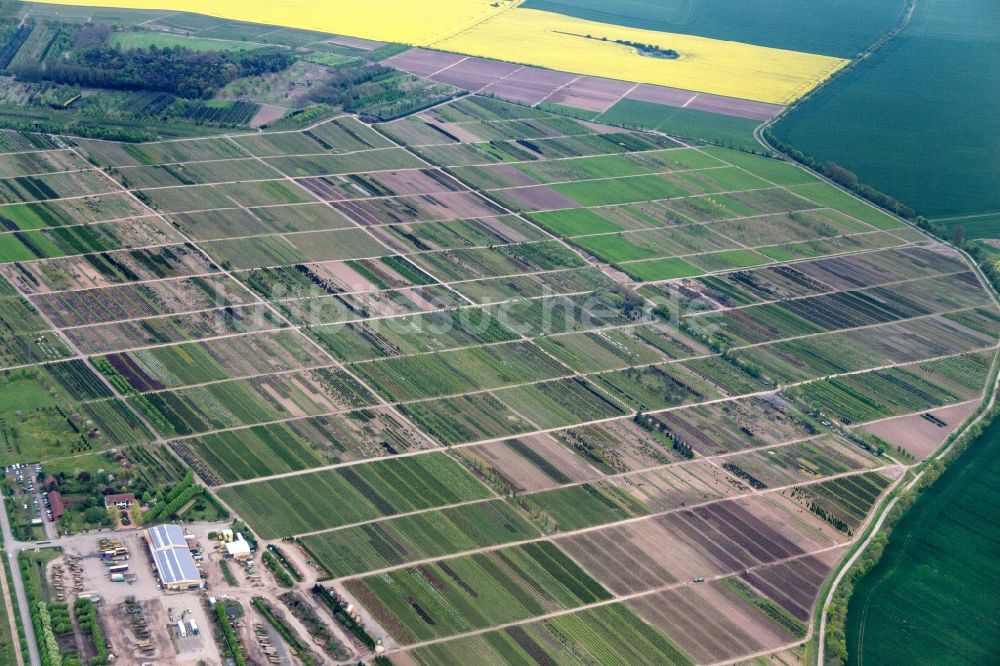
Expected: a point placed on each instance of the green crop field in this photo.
(685, 123)
(143, 40)
(907, 125)
(933, 561)
(352, 494)
(839, 29)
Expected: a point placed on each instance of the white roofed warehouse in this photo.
(173, 560)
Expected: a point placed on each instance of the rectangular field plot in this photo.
(826, 195)
(437, 331)
(87, 239)
(742, 626)
(899, 390)
(461, 233)
(235, 403)
(559, 281)
(444, 373)
(231, 221)
(417, 208)
(259, 251)
(800, 462)
(95, 306)
(610, 634)
(544, 461)
(60, 409)
(194, 173)
(903, 342)
(121, 336)
(215, 360)
(36, 163)
(777, 172)
(163, 152)
(54, 186)
(656, 270)
(560, 403)
(843, 310)
(716, 539)
(316, 311)
(24, 337)
(357, 550)
(619, 348)
(734, 425)
(334, 278)
(466, 418)
(109, 268)
(843, 502)
(475, 592)
(357, 493)
(382, 159)
(340, 135)
(84, 210)
(636, 245)
(507, 260)
(655, 387)
(290, 446)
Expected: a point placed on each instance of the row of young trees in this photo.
(177, 70)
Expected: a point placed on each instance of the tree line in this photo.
(177, 70)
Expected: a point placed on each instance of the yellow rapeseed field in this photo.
(417, 22)
(705, 65)
(504, 31)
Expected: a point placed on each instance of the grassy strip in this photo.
(41, 618)
(229, 635)
(281, 575)
(22, 638)
(7, 648)
(315, 627)
(339, 610)
(292, 571)
(284, 630)
(86, 617)
(227, 573)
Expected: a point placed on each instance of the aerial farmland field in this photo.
(563, 415)
(557, 364)
(941, 145)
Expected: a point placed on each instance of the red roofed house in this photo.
(123, 501)
(57, 504)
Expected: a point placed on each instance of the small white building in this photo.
(238, 549)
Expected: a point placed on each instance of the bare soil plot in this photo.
(661, 95)
(590, 93)
(794, 584)
(529, 85)
(422, 62)
(921, 434)
(268, 114)
(741, 108)
(711, 622)
(474, 73)
(535, 198)
(532, 463)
